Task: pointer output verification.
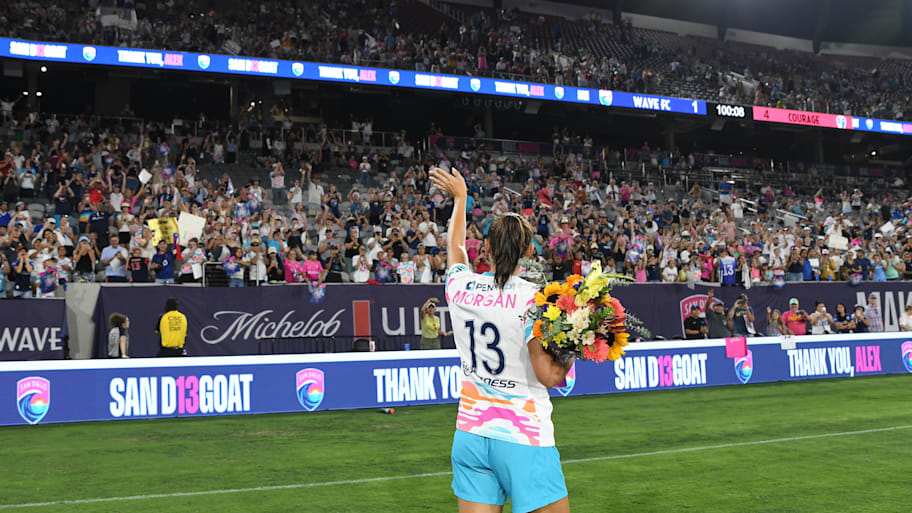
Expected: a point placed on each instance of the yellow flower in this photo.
(584, 295)
(597, 282)
(620, 339)
(541, 299)
(553, 313)
(560, 337)
(615, 352)
(552, 289)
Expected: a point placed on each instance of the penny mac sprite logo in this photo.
(267, 324)
(33, 397)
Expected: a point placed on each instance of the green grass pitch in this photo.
(862, 472)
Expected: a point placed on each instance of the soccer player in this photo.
(504, 441)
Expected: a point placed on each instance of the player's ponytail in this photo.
(509, 236)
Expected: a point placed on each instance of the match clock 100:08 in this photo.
(730, 111)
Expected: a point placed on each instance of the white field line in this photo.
(439, 474)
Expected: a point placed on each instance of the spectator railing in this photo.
(214, 276)
(789, 218)
(459, 143)
(446, 9)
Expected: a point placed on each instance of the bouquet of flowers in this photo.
(579, 318)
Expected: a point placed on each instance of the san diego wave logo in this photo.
(297, 68)
(394, 77)
(475, 84)
(570, 380)
(310, 388)
(33, 397)
(203, 61)
(697, 299)
(744, 367)
(559, 92)
(88, 53)
(907, 355)
(605, 97)
(869, 123)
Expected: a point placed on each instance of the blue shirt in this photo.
(865, 264)
(879, 274)
(166, 261)
(47, 283)
(273, 243)
(98, 223)
(727, 267)
(22, 282)
(807, 271)
(5, 219)
(109, 253)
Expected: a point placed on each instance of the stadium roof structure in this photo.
(872, 22)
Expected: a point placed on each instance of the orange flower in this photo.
(617, 307)
(573, 279)
(537, 328)
(567, 304)
(567, 289)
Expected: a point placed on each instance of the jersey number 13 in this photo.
(487, 330)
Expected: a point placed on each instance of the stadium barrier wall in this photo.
(237, 321)
(90, 390)
(284, 318)
(33, 329)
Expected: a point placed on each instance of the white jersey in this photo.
(501, 397)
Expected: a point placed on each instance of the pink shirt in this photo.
(293, 271)
(312, 269)
(795, 322)
(472, 247)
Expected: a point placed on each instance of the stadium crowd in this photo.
(509, 44)
(106, 190)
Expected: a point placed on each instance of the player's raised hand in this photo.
(450, 182)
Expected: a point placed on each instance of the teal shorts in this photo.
(488, 471)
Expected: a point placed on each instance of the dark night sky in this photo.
(881, 22)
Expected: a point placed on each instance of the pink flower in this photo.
(566, 303)
(597, 352)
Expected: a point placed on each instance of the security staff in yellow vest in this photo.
(172, 326)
